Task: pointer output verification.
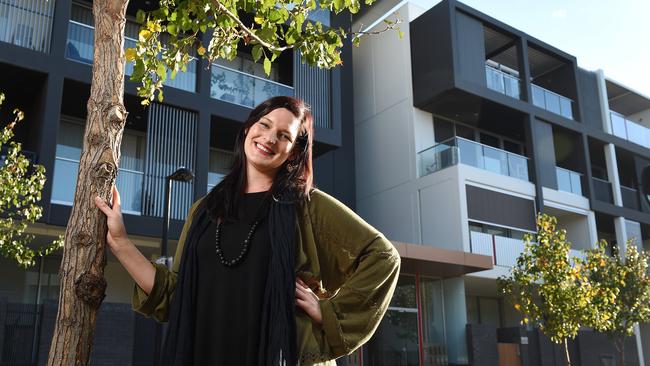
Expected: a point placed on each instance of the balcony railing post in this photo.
(494, 249)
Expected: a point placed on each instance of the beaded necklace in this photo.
(245, 245)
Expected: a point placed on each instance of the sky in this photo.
(602, 34)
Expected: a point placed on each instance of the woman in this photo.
(268, 270)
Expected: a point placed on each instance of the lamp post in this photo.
(181, 174)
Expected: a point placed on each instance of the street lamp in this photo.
(181, 174)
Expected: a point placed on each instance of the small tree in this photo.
(622, 288)
(546, 286)
(21, 183)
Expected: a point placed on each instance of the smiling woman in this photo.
(261, 257)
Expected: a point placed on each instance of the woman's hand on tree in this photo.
(116, 236)
(307, 300)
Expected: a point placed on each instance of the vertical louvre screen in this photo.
(313, 85)
(171, 137)
(27, 23)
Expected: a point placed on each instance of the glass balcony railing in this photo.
(129, 183)
(80, 48)
(552, 102)
(603, 190)
(630, 197)
(502, 82)
(244, 89)
(568, 181)
(459, 150)
(27, 23)
(631, 131)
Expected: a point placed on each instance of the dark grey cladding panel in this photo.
(499, 208)
(589, 99)
(544, 153)
(470, 49)
(431, 55)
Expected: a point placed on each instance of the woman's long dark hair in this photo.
(295, 177)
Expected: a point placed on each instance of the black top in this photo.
(229, 300)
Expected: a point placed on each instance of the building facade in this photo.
(46, 56)
(464, 130)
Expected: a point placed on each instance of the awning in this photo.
(438, 262)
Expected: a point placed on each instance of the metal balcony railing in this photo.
(504, 251)
(459, 150)
(27, 23)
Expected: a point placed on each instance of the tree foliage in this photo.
(213, 29)
(547, 286)
(622, 286)
(21, 183)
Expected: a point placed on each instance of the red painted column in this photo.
(419, 306)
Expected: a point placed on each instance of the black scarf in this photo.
(278, 332)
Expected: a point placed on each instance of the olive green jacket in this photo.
(348, 263)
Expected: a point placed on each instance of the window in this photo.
(442, 130)
(496, 230)
(220, 164)
(130, 173)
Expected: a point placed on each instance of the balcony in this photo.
(129, 183)
(628, 130)
(457, 149)
(603, 190)
(502, 82)
(552, 102)
(568, 181)
(27, 23)
(80, 48)
(504, 251)
(630, 197)
(241, 88)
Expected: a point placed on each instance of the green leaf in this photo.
(274, 16)
(161, 71)
(140, 16)
(290, 36)
(171, 29)
(257, 52)
(267, 66)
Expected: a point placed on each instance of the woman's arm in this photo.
(140, 269)
(359, 262)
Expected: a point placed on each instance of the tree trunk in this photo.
(566, 350)
(82, 268)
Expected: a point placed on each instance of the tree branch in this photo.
(247, 30)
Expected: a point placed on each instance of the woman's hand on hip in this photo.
(116, 236)
(307, 300)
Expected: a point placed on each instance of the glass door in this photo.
(395, 343)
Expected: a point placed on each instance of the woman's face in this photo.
(269, 141)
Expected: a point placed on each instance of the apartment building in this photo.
(464, 130)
